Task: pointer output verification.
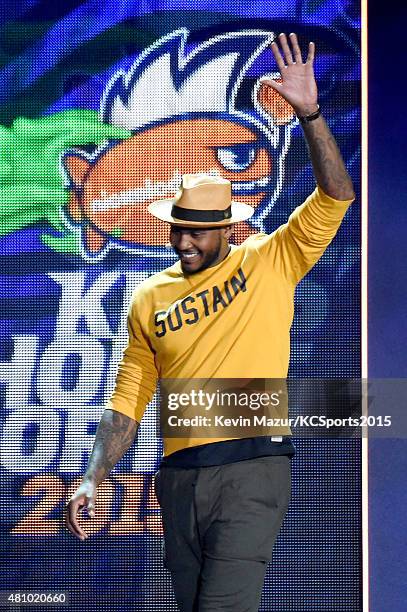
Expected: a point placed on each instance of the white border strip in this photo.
(364, 296)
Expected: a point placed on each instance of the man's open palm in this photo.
(297, 84)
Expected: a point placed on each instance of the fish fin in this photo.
(76, 168)
(73, 208)
(93, 241)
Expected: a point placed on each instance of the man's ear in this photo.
(228, 231)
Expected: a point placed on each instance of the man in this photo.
(222, 312)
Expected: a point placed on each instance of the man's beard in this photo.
(208, 259)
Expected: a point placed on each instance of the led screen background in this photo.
(175, 79)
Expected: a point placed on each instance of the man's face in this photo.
(199, 248)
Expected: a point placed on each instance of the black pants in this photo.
(220, 525)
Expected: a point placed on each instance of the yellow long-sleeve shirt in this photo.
(231, 320)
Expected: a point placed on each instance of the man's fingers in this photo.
(79, 533)
(311, 53)
(72, 520)
(91, 507)
(278, 57)
(271, 83)
(287, 51)
(296, 48)
(72, 523)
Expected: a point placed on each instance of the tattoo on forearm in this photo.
(114, 435)
(329, 168)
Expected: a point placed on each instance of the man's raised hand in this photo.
(297, 86)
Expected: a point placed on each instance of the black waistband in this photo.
(228, 451)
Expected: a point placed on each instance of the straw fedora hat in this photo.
(202, 200)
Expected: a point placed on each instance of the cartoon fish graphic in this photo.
(181, 111)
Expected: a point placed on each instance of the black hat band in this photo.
(210, 216)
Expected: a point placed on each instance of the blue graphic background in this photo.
(58, 57)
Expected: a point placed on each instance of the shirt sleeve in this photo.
(137, 375)
(295, 247)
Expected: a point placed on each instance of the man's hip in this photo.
(231, 511)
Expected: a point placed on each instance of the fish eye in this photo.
(237, 157)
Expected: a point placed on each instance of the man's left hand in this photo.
(297, 86)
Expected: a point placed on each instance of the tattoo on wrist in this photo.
(114, 435)
(329, 168)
